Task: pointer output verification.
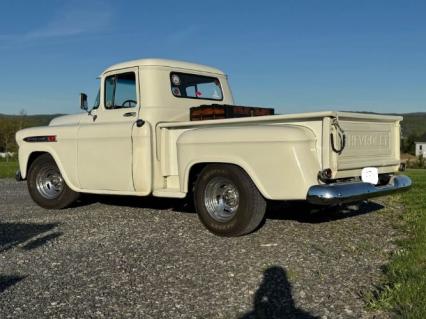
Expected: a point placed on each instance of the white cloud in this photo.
(75, 18)
(187, 33)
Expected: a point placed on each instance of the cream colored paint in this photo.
(105, 144)
(142, 159)
(272, 156)
(282, 154)
(64, 151)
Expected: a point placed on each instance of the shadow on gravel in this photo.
(13, 234)
(41, 241)
(306, 213)
(150, 202)
(291, 210)
(8, 281)
(273, 299)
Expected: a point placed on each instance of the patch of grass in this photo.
(404, 290)
(8, 169)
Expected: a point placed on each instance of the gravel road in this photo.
(123, 257)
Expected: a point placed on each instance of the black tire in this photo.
(244, 207)
(50, 195)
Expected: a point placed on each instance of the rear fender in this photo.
(281, 160)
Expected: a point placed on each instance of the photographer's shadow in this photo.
(273, 299)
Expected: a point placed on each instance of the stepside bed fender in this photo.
(280, 159)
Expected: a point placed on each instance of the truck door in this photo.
(104, 160)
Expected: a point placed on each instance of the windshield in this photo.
(97, 101)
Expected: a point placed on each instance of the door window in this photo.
(120, 91)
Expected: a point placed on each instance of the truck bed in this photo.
(371, 139)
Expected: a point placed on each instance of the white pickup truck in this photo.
(138, 140)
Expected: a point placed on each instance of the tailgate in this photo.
(370, 141)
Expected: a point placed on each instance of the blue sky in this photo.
(295, 56)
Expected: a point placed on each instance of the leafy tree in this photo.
(22, 119)
(8, 128)
(407, 144)
(2, 129)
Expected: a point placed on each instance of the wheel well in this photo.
(193, 174)
(196, 169)
(32, 158)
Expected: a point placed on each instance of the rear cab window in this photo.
(192, 86)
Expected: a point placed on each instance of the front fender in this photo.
(63, 151)
(281, 160)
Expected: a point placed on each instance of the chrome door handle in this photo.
(129, 114)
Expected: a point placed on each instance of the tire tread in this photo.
(245, 222)
(65, 199)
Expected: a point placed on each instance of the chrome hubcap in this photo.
(49, 183)
(221, 198)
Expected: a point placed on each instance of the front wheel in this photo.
(47, 186)
(227, 201)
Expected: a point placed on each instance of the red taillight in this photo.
(325, 175)
(328, 173)
(51, 138)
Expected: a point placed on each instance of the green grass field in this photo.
(8, 169)
(404, 291)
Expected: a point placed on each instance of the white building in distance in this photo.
(420, 148)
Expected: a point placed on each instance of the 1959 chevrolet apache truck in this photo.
(138, 140)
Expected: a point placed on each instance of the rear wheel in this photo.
(227, 201)
(47, 186)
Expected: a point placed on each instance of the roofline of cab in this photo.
(175, 64)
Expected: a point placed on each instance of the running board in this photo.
(169, 192)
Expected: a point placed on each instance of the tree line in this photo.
(9, 125)
(408, 143)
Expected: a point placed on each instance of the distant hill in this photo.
(32, 120)
(413, 128)
(413, 123)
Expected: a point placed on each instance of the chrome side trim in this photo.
(339, 193)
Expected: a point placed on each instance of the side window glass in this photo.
(120, 91)
(125, 90)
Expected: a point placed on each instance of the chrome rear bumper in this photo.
(339, 193)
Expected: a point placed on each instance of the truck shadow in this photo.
(150, 202)
(291, 210)
(273, 299)
(306, 213)
(14, 234)
(8, 281)
(27, 236)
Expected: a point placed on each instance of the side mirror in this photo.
(83, 102)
